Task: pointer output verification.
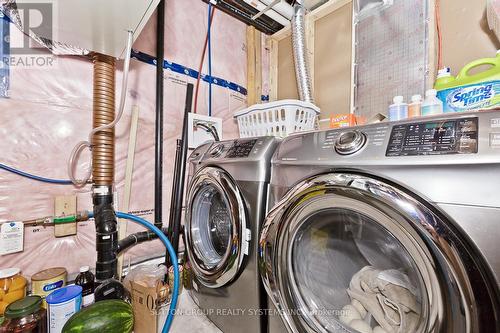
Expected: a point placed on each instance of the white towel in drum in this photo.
(388, 296)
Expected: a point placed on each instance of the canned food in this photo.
(12, 287)
(61, 305)
(48, 280)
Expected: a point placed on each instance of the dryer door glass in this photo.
(347, 267)
(211, 225)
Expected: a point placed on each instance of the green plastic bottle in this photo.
(470, 92)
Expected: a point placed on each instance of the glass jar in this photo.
(25, 316)
(12, 287)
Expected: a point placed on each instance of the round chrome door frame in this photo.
(441, 262)
(230, 264)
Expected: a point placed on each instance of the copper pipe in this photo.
(103, 142)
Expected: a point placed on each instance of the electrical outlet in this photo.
(65, 206)
(198, 136)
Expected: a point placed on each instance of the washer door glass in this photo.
(349, 272)
(211, 225)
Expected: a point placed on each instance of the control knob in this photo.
(350, 142)
(217, 150)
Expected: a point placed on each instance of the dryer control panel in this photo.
(456, 136)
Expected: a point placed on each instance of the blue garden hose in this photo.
(34, 177)
(173, 259)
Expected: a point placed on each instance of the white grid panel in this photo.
(391, 55)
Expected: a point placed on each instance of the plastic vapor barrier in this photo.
(49, 109)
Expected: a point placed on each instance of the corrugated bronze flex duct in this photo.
(103, 142)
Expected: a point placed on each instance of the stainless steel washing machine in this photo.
(390, 227)
(226, 205)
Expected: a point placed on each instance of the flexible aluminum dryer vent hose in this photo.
(300, 58)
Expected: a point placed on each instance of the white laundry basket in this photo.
(280, 118)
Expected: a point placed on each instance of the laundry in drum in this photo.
(319, 239)
(381, 301)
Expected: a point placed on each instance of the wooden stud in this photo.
(311, 17)
(327, 8)
(273, 69)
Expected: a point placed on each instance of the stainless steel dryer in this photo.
(226, 205)
(391, 227)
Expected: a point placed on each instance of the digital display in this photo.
(434, 138)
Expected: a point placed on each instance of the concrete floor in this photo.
(189, 318)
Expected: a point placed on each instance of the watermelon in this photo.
(110, 316)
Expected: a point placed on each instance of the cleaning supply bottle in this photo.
(444, 77)
(415, 107)
(471, 91)
(86, 280)
(431, 105)
(398, 110)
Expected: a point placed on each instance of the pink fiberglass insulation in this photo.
(49, 111)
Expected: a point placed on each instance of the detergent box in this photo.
(345, 120)
(467, 92)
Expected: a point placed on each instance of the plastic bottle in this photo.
(467, 91)
(398, 110)
(444, 77)
(432, 104)
(415, 107)
(86, 280)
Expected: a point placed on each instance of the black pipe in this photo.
(160, 41)
(179, 195)
(209, 129)
(106, 237)
(175, 183)
(137, 238)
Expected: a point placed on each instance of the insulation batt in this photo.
(49, 110)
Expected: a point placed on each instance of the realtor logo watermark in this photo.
(36, 19)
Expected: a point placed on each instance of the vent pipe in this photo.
(300, 58)
(103, 157)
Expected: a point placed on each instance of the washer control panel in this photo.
(216, 150)
(241, 148)
(350, 142)
(457, 136)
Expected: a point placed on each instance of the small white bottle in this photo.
(431, 105)
(398, 110)
(415, 107)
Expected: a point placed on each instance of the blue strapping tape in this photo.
(180, 69)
